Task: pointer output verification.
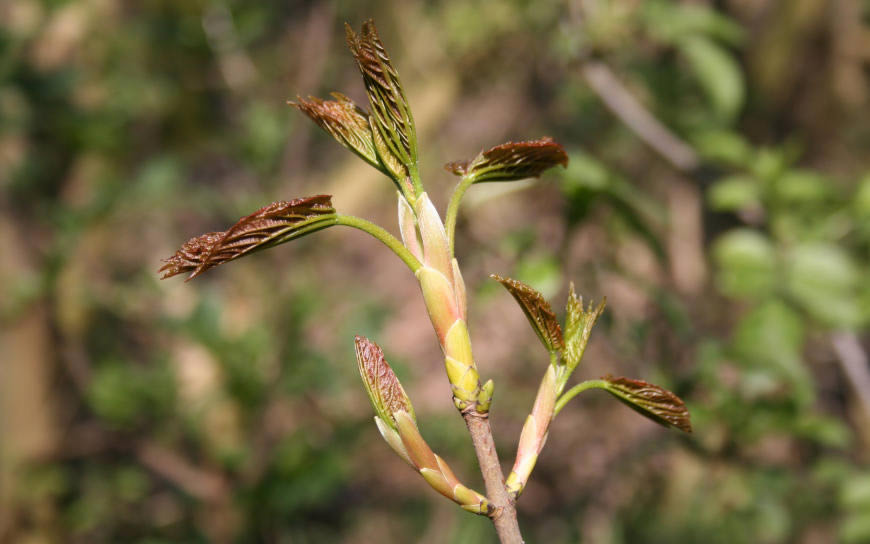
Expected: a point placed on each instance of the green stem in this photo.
(385, 237)
(576, 390)
(416, 181)
(453, 208)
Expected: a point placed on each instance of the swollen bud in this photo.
(385, 392)
(436, 249)
(484, 398)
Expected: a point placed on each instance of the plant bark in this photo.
(505, 516)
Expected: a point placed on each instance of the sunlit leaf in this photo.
(393, 126)
(578, 327)
(385, 392)
(512, 161)
(274, 224)
(650, 400)
(538, 310)
(345, 121)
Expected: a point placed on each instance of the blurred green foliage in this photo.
(228, 410)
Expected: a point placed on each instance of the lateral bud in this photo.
(484, 398)
(534, 434)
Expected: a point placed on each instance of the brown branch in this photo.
(630, 111)
(202, 484)
(505, 516)
(856, 367)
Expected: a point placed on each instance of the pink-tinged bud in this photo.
(534, 433)
(527, 456)
(391, 437)
(545, 402)
(418, 450)
(385, 392)
(439, 298)
(436, 249)
(408, 228)
(438, 482)
(435, 470)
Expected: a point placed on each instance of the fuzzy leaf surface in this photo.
(578, 327)
(383, 387)
(512, 161)
(345, 122)
(652, 401)
(537, 310)
(274, 224)
(396, 139)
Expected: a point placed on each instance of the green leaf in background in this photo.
(825, 280)
(801, 187)
(672, 21)
(717, 72)
(861, 200)
(734, 193)
(125, 395)
(723, 146)
(746, 263)
(587, 179)
(855, 498)
(769, 341)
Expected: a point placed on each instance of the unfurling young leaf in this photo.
(393, 127)
(578, 327)
(512, 161)
(386, 393)
(274, 224)
(398, 425)
(345, 121)
(538, 310)
(650, 400)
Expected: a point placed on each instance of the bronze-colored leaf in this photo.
(383, 387)
(537, 310)
(650, 400)
(274, 224)
(345, 121)
(578, 327)
(512, 161)
(396, 139)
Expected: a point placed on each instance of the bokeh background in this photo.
(718, 194)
